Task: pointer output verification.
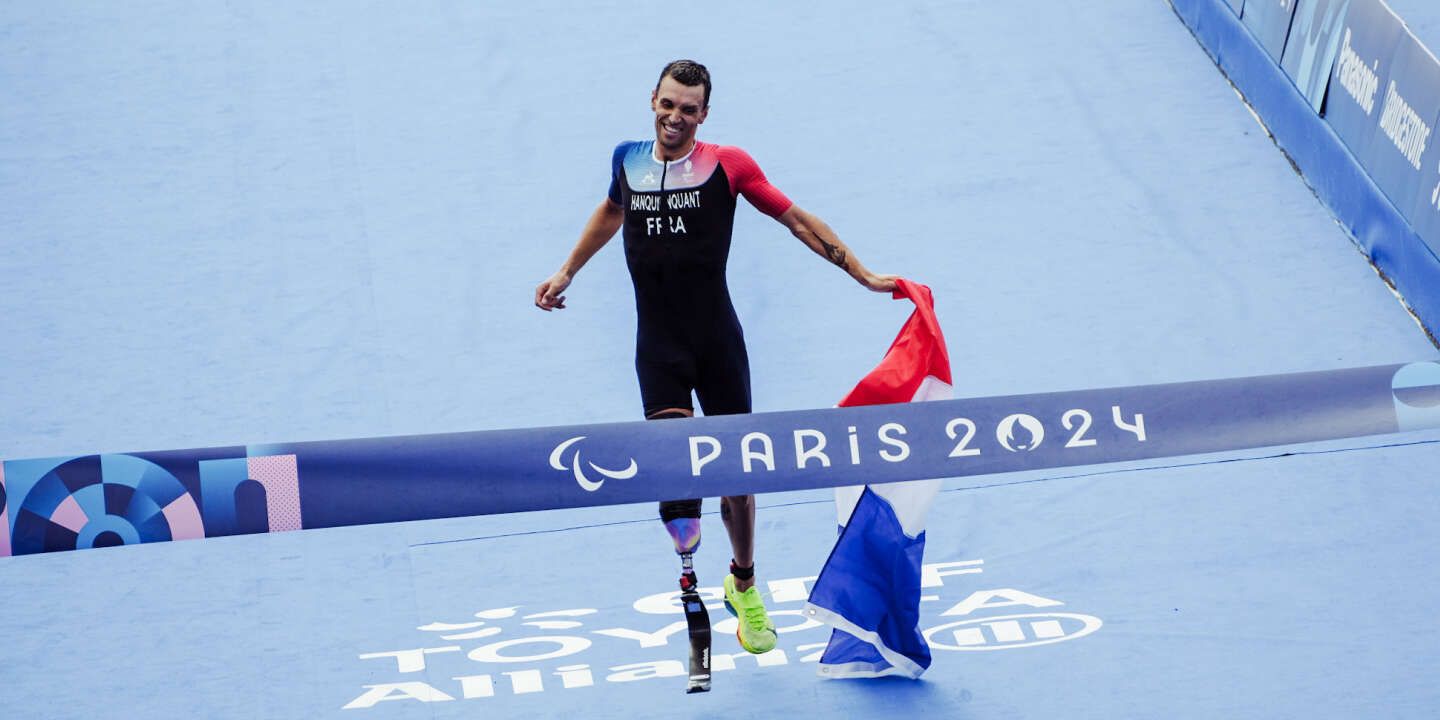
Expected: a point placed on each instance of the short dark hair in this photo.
(687, 72)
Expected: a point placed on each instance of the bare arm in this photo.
(819, 237)
(598, 230)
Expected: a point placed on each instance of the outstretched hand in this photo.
(879, 283)
(547, 294)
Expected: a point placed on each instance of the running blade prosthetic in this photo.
(686, 534)
(699, 621)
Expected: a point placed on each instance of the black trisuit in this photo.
(678, 219)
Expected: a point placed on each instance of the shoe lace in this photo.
(755, 617)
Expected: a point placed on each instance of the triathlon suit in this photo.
(678, 218)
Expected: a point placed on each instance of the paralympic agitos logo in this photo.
(557, 462)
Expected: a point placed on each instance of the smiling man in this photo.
(676, 197)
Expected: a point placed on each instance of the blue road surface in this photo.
(268, 222)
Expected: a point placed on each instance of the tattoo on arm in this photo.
(835, 254)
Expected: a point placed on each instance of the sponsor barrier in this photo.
(1425, 212)
(1404, 128)
(1384, 101)
(1269, 21)
(1315, 36)
(1408, 168)
(98, 500)
(1360, 74)
(1331, 152)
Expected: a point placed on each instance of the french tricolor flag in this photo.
(869, 589)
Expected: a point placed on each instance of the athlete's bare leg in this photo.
(738, 512)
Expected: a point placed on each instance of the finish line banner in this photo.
(70, 503)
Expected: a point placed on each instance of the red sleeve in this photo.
(747, 179)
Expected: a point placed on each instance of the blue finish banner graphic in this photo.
(101, 500)
(1269, 21)
(1314, 42)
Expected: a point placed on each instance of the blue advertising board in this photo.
(1269, 21)
(86, 501)
(1424, 212)
(1323, 147)
(1313, 44)
(1403, 147)
(1361, 73)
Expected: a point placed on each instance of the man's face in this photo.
(679, 109)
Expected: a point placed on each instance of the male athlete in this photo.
(675, 197)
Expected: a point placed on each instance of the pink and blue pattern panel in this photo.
(94, 501)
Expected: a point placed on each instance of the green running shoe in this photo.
(756, 632)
